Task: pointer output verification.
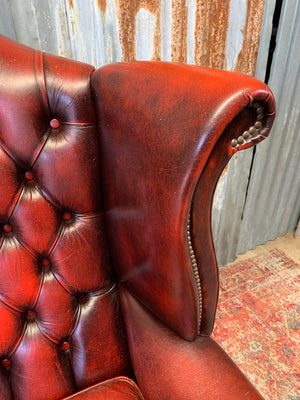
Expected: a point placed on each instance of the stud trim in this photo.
(195, 270)
(254, 131)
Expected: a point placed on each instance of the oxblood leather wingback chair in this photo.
(108, 278)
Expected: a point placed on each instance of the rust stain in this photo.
(211, 29)
(73, 17)
(157, 32)
(71, 3)
(63, 29)
(179, 31)
(126, 17)
(150, 5)
(127, 11)
(101, 4)
(247, 57)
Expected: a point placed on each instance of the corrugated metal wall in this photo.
(213, 33)
(273, 202)
(232, 190)
(222, 34)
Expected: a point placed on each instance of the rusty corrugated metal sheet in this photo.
(220, 33)
(247, 58)
(179, 31)
(211, 28)
(102, 31)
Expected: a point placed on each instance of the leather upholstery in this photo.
(168, 367)
(159, 126)
(61, 328)
(106, 189)
(118, 388)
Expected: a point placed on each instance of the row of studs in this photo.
(253, 131)
(195, 268)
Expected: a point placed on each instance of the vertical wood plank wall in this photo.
(227, 34)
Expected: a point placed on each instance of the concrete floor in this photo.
(289, 244)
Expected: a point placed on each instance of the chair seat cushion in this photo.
(120, 388)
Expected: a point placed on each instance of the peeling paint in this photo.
(127, 11)
(247, 57)
(179, 31)
(211, 28)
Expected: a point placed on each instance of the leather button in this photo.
(65, 346)
(5, 363)
(67, 215)
(45, 262)
(7, 228)
(30, 314)
(82, 298)
(54, 123)
(28, 175)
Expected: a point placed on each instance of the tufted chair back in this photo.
(61, 327)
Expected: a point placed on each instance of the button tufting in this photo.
(65, 346)
(7, 228)
(30, 314)
(45, 262)
(54, 123)
(82, 298)
(5, 363)
(28, 175)
(67, 215)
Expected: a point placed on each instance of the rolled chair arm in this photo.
(167, 131)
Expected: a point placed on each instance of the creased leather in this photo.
(120, 388)
(170, 367)
(159, 125)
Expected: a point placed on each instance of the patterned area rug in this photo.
(258, 322)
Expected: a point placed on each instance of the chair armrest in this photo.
(166, 132)
(170, 367)
(120, 388)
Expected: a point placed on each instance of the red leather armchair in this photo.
(108, 278)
